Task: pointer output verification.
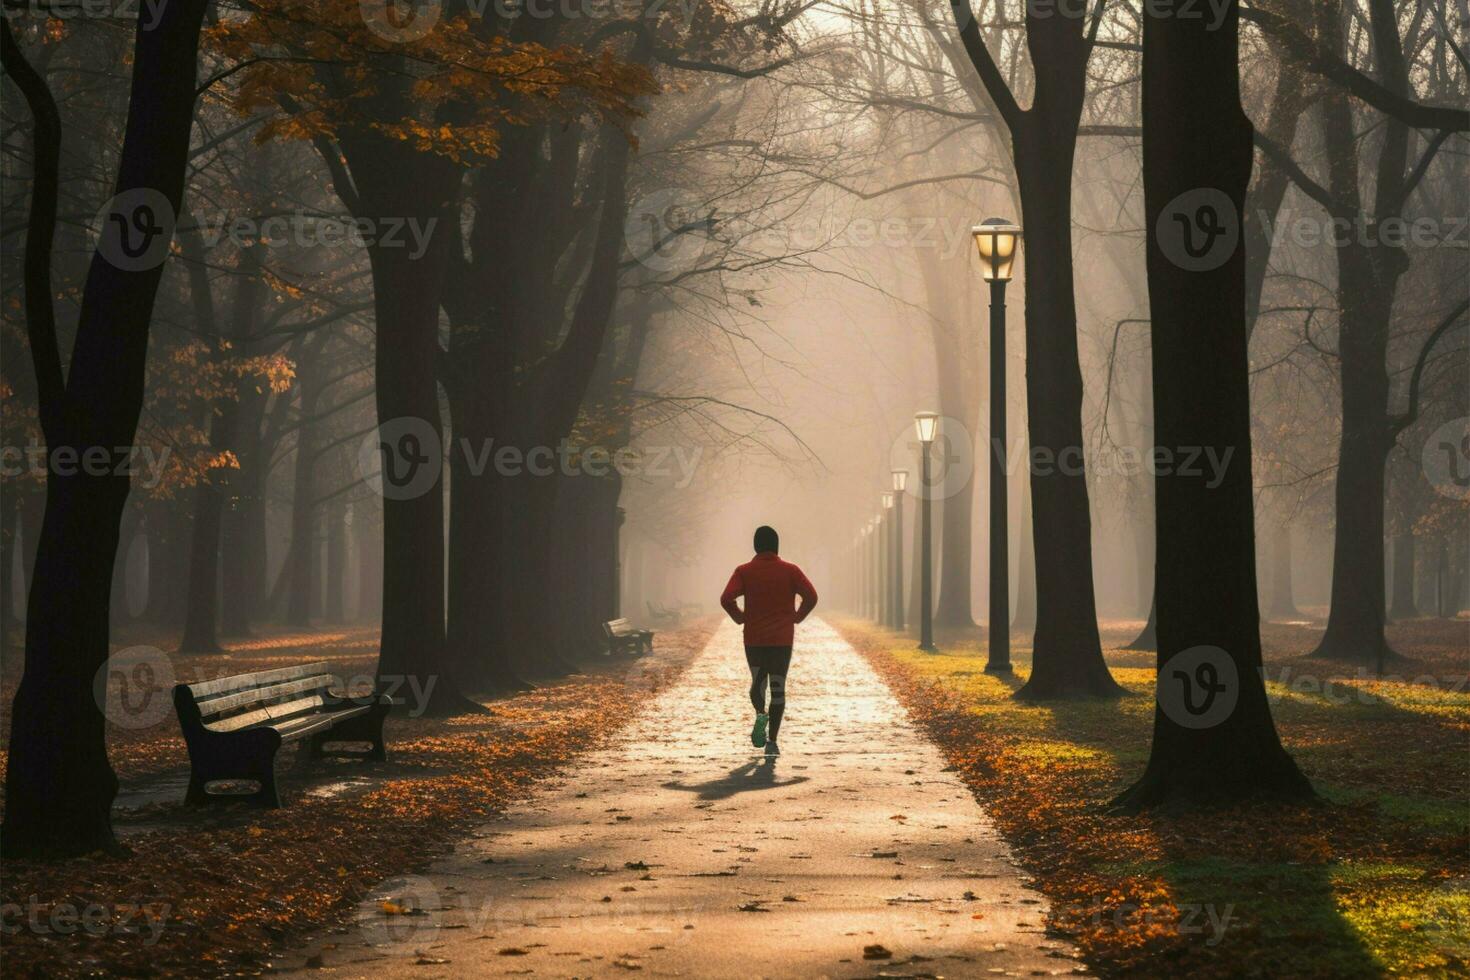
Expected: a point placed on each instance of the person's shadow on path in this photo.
(757, 775)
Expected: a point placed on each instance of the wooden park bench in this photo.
(234, 725)
(662, 615)
(621, 635)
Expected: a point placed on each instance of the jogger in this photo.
(770, 587)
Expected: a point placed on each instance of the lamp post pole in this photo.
(890, 559)
(876, 530)
(926, 560)
(872, 572)
(877, 611)
(867, 558)
(900, 478)
(995, 241)
(927, 426)
(999, 661)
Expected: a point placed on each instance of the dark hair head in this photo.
(766, 539)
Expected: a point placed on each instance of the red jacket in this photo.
(770, 587)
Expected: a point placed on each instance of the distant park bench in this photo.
(621, 635)
(234, 725)
(662, 615)
(689, 608)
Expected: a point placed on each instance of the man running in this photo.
(770, 587)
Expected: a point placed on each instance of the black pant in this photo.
(769, 665)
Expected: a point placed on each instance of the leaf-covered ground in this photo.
(213, 892)
(1376, 881)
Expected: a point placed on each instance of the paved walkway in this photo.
(680, 852)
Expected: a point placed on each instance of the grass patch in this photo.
(1373, 882)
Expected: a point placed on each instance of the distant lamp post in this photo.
(890, 558)
(900, 480)
(873, 573)
(926, 425)
(996, 240)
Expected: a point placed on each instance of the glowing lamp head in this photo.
(887, 499)
(900, 480)
(926, 425)
(996, 239)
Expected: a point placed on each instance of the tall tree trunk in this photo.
(1214, 742)
(368, 548)
(1024, 617)
(168, 563)
(59, 784)
(10, 541)
(335, 607)
(128, 534)
(243, 491)
(1403, 606)
(956, 354)
(480, 551)
(1367, 280)
(300, 573)
(1067, 656)
(396, 181)
(1283, 598)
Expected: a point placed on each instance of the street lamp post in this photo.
(873, 569)
(890, 558)
(995, 240)
(926, 424)
(900, 480)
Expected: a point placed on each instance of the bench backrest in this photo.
(617, 627)
(228, 704)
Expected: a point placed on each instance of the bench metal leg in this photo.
(268, 795)
(195, 794)
(364, 728)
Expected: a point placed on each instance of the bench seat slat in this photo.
(260, 695)
(267, 713)
(260, 678)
